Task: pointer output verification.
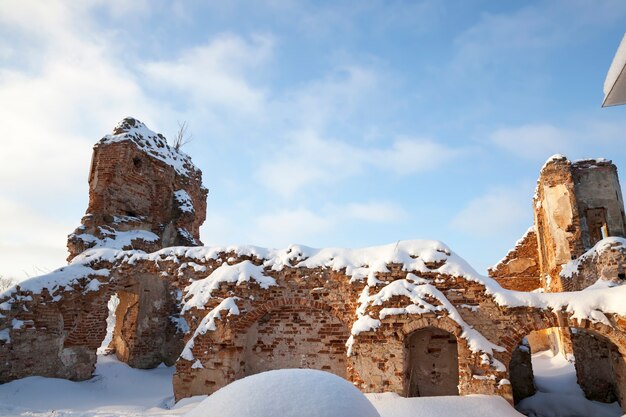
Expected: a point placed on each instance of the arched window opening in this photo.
(137, 163)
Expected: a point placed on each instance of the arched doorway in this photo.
(296, 336)
(139, 329)
(579, 365)
(432, 363)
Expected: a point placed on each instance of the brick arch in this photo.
(609, 337)
(462, 352)
(292, 333)
(247, 320)
(441, 323)
(541, 320)
(138, 342)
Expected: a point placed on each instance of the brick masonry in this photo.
(304, 320)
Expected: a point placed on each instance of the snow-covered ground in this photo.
(392, 405)
(287, 393)
(558, 393)
(118, 390)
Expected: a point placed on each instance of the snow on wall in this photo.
(199, 292)
(360, 265)
(570, 268)
(418, 256)
(188, 236)
(153, 144)
(184, 201)
(553, 158)
(62, 278)
(208, 324)
(424, 298)
(115, 239)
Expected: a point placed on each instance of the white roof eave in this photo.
(615, 82)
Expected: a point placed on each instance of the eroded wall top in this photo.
(143, 194)
(577, 205)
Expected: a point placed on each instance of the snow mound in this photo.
(287, 393)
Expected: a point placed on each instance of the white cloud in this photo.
(72, 90)
(579, 139)
(502, 37)
(310, 159)
(214, 74)
(382, 212)
(30, 242)
(533, 141)
(496, 213)
(336, 97)
(290, 226)
(408, 156)
(299, 225)
(53, 115)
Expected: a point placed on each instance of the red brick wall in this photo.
(296, 336)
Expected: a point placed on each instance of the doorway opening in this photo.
(432, 365)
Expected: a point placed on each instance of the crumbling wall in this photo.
(606, 261)
(521, 372)
(576, 206)
(296, 336)
(557, 221)
(595, 359)
(145, 335)
(263, 304)
(143, 194)
(302, 321)
(599, 199)
(55, 331)
(519, 270)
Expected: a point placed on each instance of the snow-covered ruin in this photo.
(411, 317)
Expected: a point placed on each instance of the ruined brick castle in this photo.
(411, 317)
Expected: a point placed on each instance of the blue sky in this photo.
(321, 123)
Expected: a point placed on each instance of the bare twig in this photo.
(182, 137)
(6, 283)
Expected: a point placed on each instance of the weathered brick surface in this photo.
(596, 358)
(306, 315)
(125, 182)
(608, 264)
(519, 270)
(575, 206)
(305, 319)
